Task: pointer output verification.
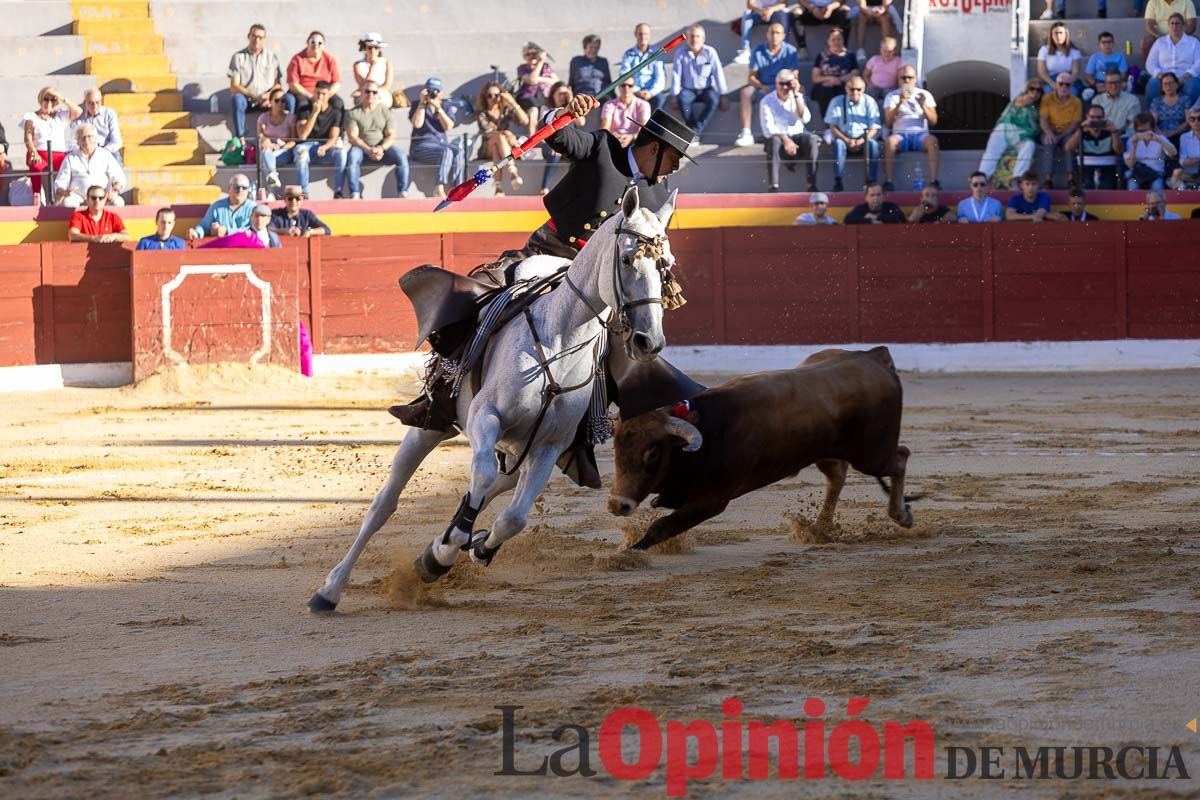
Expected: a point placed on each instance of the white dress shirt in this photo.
(78, 172)
(777, 116)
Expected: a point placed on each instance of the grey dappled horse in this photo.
(613, 281)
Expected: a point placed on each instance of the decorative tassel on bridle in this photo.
(672, 292)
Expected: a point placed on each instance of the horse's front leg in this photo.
(535, 474)
(413, 450)
(483, 431)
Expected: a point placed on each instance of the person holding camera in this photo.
(909, 111)
(1095, 151)
(534, 78)
(431, 143)
(1147, 154)
(1156, 208)
(782, 116)
(930, 210)
(499, 112)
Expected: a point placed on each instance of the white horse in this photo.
(534, 390)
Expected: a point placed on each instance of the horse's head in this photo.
(641, 262)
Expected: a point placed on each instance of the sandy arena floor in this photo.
(158, 545)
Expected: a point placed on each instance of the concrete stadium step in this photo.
(110, 9)
(52, 17)
(106, 45)
(137, 84)
(164, 178)
(41, 55)
(164, 155)
(178, 195)
(156, 120)
(182, 137)
(132, 65)
(145, 102)
(114, 28)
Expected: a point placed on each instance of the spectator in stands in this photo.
(1077, 203)
(782, 116)
(818, 213)
(88, 165)
(227, 215)
(374, 67)
(260, 221)
(882, 72)
(876, 210)
(46, 133)
(650, 82)
(254, 74)
(1097, 148)
(276, 138)
(371, 133)
(1061, 115)
(589, 73)
(759, 12)
(431, 143)
(96, 224)
(1177, 53)
(535, 77)
(1187, 175)
(908, 112)
(930, 208)
(498, 114)
(319, 137)
(1170, 108)
(1018, 129)
(1120, 107)
(833, 68)
(295, 220)
(1158, 21)
(560, 95)
(765, 63)
(1147, 154)
(698, 82)
(1155, 208)
(310, 65)
(1057, 9)
(819, 12)
(1103, 61)
(871, 12)
(1057, 56)
(162, 238)
(625, 114)
(853, 122)
(1030, 205)
(103, 120)
(979, 207)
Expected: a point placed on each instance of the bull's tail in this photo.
(908, 498)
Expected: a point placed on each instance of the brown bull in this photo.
(838, 409)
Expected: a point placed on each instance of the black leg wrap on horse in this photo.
(464, 519)
(427, 567)
(482, 552)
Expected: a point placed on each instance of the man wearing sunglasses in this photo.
(372, 136)
(254, 73)
(782, 116)
(228, 215)
(96, 224)
(295, 220)
(1060, 116)
(979, 207)
(853, 122)
(87, 165)
(909, 111)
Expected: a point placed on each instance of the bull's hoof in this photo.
(905, 518)
(480, 552)
(427, 567)
(319, 605)
(642, 544)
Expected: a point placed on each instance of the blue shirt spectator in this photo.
(1019, 204)
(1100, 65)
(767, 66)
(225, 216)
(853, 118)
(698, 71)
(589, 73)
(162, 239)
(649, 82)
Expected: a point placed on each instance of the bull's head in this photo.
(644, 447)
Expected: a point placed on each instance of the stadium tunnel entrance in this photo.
(970, 95)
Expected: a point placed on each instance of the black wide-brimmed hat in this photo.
(670, 131)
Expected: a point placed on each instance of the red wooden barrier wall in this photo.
(67, 303)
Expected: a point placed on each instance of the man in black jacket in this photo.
(876, 210)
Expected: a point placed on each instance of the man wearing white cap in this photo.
(819, 215)
(782, 115)
(259, 222)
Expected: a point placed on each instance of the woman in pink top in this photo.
(882, 71)
(624, 115)
(276, 138)
(310, 65)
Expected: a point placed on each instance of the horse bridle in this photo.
(648, 247)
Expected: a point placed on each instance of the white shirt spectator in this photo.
(808, 219)
(910, 118)
(78, 172)
(52, 131)
(1178, 57)
(777, 116)
(1189, 147)
(108, 129)
(1058, 61)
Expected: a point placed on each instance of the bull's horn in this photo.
(686, 431)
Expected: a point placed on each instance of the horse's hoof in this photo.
(480, 552)
(319, 605)
(427, 567)
(642, 544)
